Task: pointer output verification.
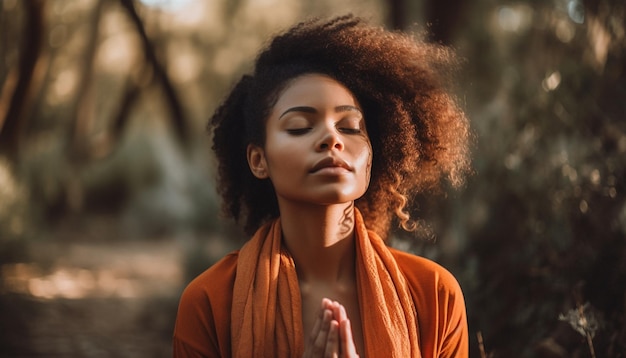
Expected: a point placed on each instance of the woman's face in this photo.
(317, 149)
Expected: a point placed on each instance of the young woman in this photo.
(319, 151)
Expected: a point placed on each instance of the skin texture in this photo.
(318, 156)
(291, 114)
(315, 119)
(418, 132)
(417, 137)
(332, 334)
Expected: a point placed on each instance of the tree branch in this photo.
(177, 113)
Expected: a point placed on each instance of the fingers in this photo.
(324, 338)
(332, 333)
(347, 342)
(320, 337)
(317, 326)
(339, 312)
(347, 348)
(332, 344)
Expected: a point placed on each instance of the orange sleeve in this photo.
(454, 321)
(441, 314)
(202, 326)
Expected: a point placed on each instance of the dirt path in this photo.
(91, 300)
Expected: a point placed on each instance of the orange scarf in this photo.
(267, 308)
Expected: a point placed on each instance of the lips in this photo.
(330, 162)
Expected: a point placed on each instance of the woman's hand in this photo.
(332, 334)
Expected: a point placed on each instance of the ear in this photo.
(257, 162)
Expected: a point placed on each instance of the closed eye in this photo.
(351, 125)
(298, 131)
(350, 130)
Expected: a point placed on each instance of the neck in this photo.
(320, 239)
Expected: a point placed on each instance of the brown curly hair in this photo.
(419, 134)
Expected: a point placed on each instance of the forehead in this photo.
(315, 90)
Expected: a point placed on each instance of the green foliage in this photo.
(538, 233)
(551, 175)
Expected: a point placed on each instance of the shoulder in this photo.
(203, 318)
(215, 280)
(440, 306)
(425, 273)
(211, 291)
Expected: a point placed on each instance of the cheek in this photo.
(369, 165)
(364, 163)
(283, 156)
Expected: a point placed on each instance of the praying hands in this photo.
(332, 333)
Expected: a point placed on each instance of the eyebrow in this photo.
(306, 109)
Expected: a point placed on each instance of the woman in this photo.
(319, 151)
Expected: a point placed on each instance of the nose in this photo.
(330, 139)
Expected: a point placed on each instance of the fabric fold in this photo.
(266, 310)
(387, 310)
(267, 315)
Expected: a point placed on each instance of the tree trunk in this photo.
(19, 86)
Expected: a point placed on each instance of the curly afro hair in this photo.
(418, 132)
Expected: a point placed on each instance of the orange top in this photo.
(217, 316)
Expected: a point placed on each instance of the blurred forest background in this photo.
(107, 202)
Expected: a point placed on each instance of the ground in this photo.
(91, 298)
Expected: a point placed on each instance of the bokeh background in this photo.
(107, 201)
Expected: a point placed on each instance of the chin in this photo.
(326, 196)
(339, 197)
